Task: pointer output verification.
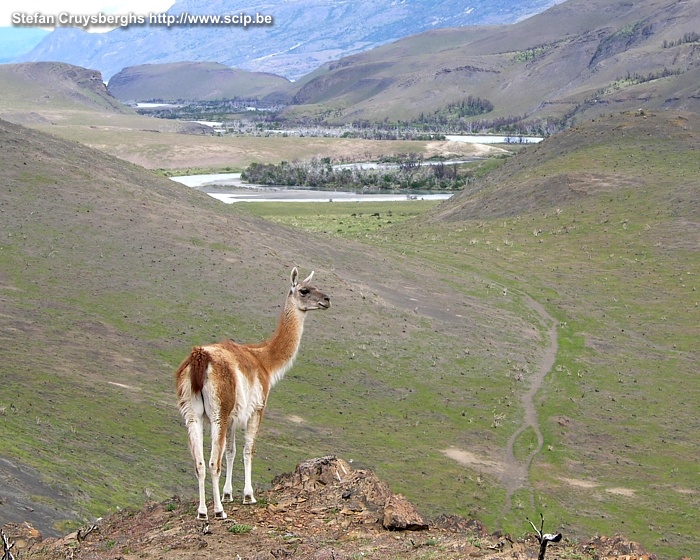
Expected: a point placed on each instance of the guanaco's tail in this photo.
(193, 367)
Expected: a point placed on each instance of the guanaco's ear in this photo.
(309, 277)
(295, 275)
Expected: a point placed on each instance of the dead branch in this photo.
(82, 534)
(6, 546)
(544, 538)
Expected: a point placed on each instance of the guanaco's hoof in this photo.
(202, 517)
(220, 515)
(249, 500)
(227, 498)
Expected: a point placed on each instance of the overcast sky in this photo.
(81, 7)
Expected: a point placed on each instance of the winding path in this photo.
(515, 472)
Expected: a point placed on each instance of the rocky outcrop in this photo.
(330, 483)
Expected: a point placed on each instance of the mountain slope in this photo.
(103, 267)
(577, 57)
(600, 223)
(56, 86)
(191, 80)
(303, 36)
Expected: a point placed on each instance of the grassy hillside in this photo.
(192, 81)
(422, 368)
(109, 275)
(601, 225)
(578, 58)
(606, 231)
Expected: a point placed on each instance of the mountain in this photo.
(579, 57)
(191, 80)
(49, 93)
(55, 85)
(303, 35)
(16, 41)
(576, 59)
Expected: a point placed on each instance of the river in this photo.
(230, 188)
(489, 139)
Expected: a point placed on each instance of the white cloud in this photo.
(81, 8)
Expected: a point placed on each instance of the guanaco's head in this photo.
(306, 296)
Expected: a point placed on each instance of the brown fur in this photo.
(198, 362)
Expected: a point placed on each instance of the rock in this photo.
(618, 547)
(322, 471)
(459, 524)
(400, 515)
(331, 483)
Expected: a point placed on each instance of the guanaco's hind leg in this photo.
(218, 443)
(251, 432)
(195, 431)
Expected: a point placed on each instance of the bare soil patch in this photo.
(581, 483)
(471, 460)
(24, 495)
(589, 484)
(628, 492)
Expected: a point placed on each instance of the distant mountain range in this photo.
(304, 33)
(579, 58)
(575, 60)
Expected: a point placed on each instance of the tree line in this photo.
(407, 173)
(689, 37)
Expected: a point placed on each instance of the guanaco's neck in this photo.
(281, 349)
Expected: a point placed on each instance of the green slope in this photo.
(108, 276)
(601, 225)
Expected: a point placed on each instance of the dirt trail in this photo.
(515, 472)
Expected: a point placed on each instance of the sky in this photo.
(81, 7)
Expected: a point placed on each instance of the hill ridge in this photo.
(192, 81)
